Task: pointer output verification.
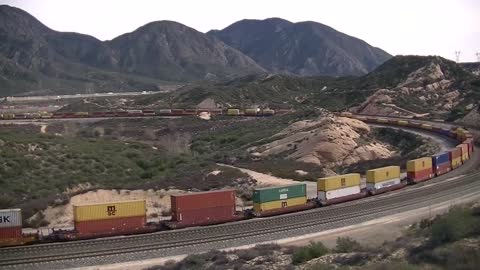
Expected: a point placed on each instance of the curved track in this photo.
(138, 247)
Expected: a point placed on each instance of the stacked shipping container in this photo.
(456, 157)
(10, 226)
(110, 218)
(272, 199)
(203, 208)
(339, 188)
(464, 148)
(441, 163)
(383, 179)
(419, 169)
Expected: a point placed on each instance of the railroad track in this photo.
(329, 217)
(108, 250)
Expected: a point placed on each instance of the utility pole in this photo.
(457, 56)
(478, 56)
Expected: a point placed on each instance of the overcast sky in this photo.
(424, 27)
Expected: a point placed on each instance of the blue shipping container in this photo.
(440, 159)
(445, 132)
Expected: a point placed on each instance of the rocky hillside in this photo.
(327, 142)
(422, 86)
(305, 48)
(38, 59)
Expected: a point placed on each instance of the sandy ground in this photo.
(373, 233)
(270, 180)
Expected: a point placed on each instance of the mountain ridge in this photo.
(39, 60)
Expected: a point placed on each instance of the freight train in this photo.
(214, 207)
(142, 113)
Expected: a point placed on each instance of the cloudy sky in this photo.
(424, 27)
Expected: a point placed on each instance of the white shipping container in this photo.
(332, 194)
(10, 218)
(384, 184)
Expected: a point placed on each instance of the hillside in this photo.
(304, 48)
(404, 86)
(38, 60)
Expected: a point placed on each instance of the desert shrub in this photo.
(347, 245)
(306, 253)
(352, 259)
(455, 225)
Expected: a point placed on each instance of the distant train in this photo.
(214, 207)
(143, 113)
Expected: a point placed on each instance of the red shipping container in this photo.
(455, 152)
(11, 232)
(443, 168)
(420, 176)
(204, 216)
(111, 226)
(202, 200)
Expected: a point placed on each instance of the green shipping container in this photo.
(268, 194)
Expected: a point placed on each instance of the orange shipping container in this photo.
(109, 210)
(464, 148)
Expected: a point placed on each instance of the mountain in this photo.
(38, 60)
(304, 48)
(173, 51)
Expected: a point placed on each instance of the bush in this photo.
(455, 225)
(313, 250)
(347, 245)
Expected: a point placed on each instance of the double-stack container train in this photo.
(214, 207)
(144, 113)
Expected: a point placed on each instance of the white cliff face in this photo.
(327, 141)
(428, 89)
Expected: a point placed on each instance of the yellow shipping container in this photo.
(383, 174)
(426, 126)
(402, 122)
(338, 182)
(260, 207)
(456, 162)
(109, 210)
(419, 164)
(381, 120)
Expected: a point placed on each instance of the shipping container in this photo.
(204, 216)
(335, 193)
(338, 182)
(233, 112)
(426, 126)
(10, 218)
(414, 124)
(384, 186)
(419, 164)
(464, 148)
(10, 232)
(402, 123)
(419, 169)
(470, 143)
(272, 205)
(445, 132)
(382, 120)
(268, 194)
(110, 210)
(383, 174)
(251, 112)
(268, 112)
(202, 200)
(121, 225)
(441, 163)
